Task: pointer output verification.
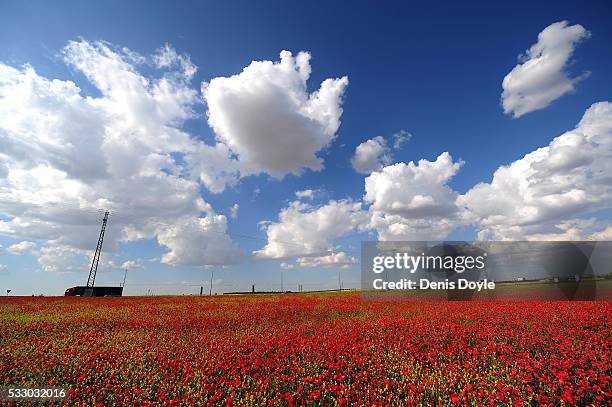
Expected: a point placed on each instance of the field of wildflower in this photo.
(316, 349)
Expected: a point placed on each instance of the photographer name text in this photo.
(412, 263)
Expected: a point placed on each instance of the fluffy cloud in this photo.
(542, 192)
(267, 117)
(340, 259)
(3, 268)
(371, 155)
(64, 154)
(538, 197)
(413, 201)
(541, 78)
(21, 247)
(62, 259)
(407, 201)
(204, 241)
(304, 230)
(414, 190)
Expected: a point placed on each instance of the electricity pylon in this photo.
(96, 258)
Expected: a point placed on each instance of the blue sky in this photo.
(433, 70)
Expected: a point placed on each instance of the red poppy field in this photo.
(319, 349)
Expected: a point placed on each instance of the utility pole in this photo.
(96, 259)
(339, 281)
(212, 273)
(281, 280)
(124, 276)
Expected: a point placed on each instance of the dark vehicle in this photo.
(84, 291)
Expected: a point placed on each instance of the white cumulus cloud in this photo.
(413, 201)
(540, 193)
(201, 242)
(375, 153)
(340, 259)
(62, 259)
(268, 118)
(541, 77)
(371, 155)
(306, 230)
